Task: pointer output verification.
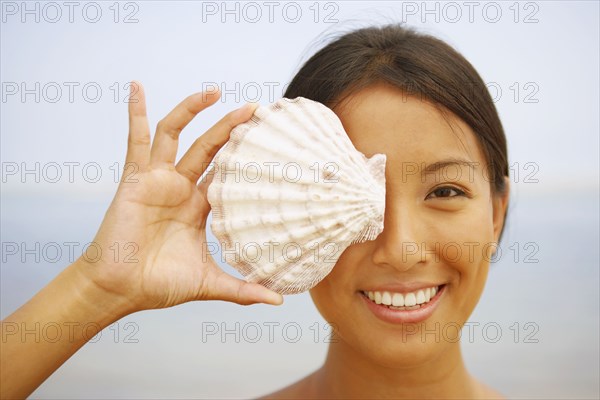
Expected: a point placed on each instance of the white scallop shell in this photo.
(290, 193)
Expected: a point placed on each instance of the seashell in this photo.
(290, 193)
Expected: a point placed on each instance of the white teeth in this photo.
(397, 300)
(410, 300)
(421, 296)
(386, 299)
(378, 297)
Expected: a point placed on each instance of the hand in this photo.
(157, 220)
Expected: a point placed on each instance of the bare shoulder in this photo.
(302, 389)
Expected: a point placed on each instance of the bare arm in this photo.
(70, 302)
(160, 209)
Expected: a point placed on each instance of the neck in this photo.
(348, 374)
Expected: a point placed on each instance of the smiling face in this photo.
(441, 221)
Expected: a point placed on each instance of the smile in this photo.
(410, 307)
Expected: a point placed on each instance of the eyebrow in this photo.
(436, 166)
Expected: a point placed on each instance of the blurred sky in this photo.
(540, 60)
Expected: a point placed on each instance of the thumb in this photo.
(228, 288)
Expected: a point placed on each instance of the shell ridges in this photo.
(290, 193)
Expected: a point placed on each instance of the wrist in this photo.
(103, 306)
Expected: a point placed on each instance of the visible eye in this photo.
(446, 192)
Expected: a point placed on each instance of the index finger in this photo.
(195, 161)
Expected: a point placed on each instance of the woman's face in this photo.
(440, 228)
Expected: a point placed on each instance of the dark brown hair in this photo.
(417, 64)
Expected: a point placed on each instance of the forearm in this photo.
(41, 335)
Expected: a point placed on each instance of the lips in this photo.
(408, 312)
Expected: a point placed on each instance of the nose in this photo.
(401, 245)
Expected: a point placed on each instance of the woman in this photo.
(397, 92)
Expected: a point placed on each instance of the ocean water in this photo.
(535, 331)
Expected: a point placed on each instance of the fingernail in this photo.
(275, 299)
(250, 105)
(246, 108)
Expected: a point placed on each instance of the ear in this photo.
(500, 204)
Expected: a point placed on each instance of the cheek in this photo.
(466, 248)
(335, 294)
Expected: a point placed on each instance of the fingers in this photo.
(138, 144)
(195, 161)
(229, 288)
(166, 140)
